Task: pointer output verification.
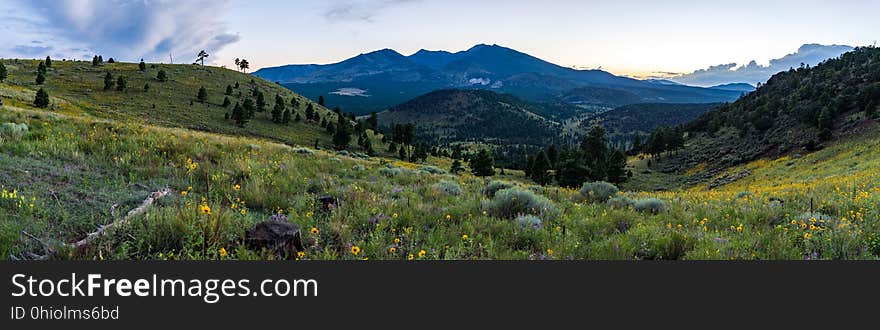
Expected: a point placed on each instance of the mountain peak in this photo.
(387, 52)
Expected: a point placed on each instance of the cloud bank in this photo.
(124, 29)
(753, 73)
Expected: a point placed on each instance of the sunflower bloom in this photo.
(355, 250)
(222, 252)
(205, 209)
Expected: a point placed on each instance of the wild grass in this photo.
(80, 167)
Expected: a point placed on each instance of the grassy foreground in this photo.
(73, 170)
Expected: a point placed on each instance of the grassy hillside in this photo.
(73, 170)
(796, 111)
(78, 88)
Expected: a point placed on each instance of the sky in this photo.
(625, 37)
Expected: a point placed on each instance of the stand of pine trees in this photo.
(593, 160)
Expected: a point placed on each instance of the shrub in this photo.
(448, 187)
(599, 191)
(432, 170)
(511, 202)
(652, 205)
(13, 131)
(807, 216)
(359, 168)
(390, 171)
(528, 221)
(494, 186)
(303, 151)
(743, 194)
(620, 202)
(335, 160)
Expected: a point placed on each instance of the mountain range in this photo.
(378, 80)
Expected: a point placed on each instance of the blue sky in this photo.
(621, 36)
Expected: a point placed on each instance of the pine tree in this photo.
(203, 95)
(226, 102)
(162, 76)
(595, 149)
(278, 110)
(3, 73)
(121, 83)
(401, 152)
(41, 68)
(483, 164)
(236, 85)
(249, 108)
(420, 153)
(261, 101)
(95, 61)
(342, 137)
(108, 81)
(100, 59)
(41, 77)
(321, 100)
(331, 129)
(146, 87)
(41, 100)
(456, 167)
(572, 173)
(825, 123)
(392, 148)
(637, 145)
(553, 156)
(368, 148)
(111, 61)
(239, 115)
(617, 167)
(297, 118)
(870, 109)
(48, 62)
(142, 66)
(228, 90)
(373, 121)
(310, 112)
(285, 117)
(294, 104)
(540, 171)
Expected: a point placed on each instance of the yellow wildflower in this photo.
(222, 252)
(205, 209)
(355, 250)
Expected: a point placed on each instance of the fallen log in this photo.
(83, 244)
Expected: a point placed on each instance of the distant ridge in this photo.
(391, 78)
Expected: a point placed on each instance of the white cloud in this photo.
(753, 73)
(359, 10)
(124, 29)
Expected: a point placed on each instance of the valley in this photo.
(787, 172)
